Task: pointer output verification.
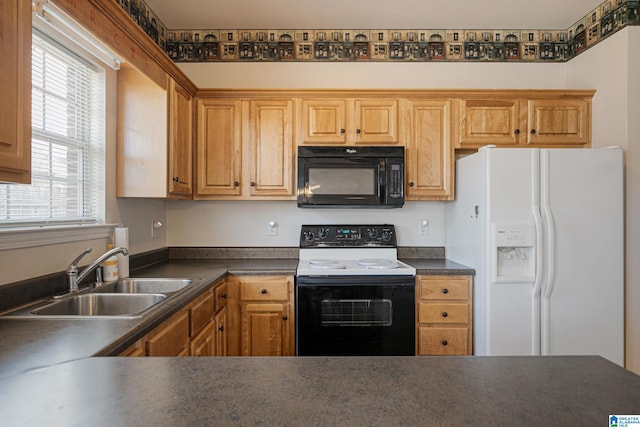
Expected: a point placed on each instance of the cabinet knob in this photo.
(285, 317)
(445, 314)
(224, 296)
(176, 179)
(263, 291)
(236, 183)
(358, 131)
(221, 328)
(253, 184)
(410, 183)
(517, 132)
(445, 342)
(445, 291)
(342, 131)
(533, 131)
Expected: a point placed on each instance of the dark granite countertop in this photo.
(322, 391)
(32, 343)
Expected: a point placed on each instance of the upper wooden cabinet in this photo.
(245, 149)
(349, 121)
(538, 119)
(429, 159)
(218, 147)
(180, 142)
(271, 148)
(15, 84)
(154, 138)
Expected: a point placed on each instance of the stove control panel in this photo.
(351, 236)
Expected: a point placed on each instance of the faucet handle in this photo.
(73, 267)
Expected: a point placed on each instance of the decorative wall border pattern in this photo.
(386, 45)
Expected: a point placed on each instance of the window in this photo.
(68, 110)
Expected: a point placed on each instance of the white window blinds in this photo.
(68, 99)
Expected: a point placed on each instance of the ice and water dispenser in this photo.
(513, 249)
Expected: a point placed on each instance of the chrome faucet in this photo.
(72, 270)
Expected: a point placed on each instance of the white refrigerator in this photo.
(544, 230)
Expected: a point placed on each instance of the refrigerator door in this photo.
(582, 295)
(512, 299)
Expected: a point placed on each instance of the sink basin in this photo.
(145, 286)
(101, 305)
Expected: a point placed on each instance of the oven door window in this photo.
(356, 312)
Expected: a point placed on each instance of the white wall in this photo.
(612, 68)
(240, 224)
(26, 263)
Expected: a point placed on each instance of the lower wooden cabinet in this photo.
(444, 311)
(198, 329)
(261, 316)
(171, 338)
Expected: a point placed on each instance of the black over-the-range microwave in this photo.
(350, 177)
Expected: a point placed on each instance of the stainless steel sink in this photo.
(101, 305)
(145, 286)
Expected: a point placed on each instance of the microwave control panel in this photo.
(396, 180)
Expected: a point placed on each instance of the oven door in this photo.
(355, 316)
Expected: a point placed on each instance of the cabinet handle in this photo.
(263, 291)
(445, 314)
(221, 328)
(236, 183)
(224, 296)
(177, 180)
(253, 184)
(285, 317)
(410, 183)
(517, 132)
(342, 131)
(445, 342)
(533, 131)
(445, 291)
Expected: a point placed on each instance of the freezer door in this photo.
(511, 301)
(582, 298)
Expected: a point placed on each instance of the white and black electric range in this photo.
(350, 250)
(353, 296)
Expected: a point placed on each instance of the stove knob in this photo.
(386, 235)
(372, 233)
(323, 233)
(308, 236)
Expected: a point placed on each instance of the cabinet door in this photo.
(265, 329)
(180, 142)
(172, 338)
(489, 121)
(376, 121)
(15, 85)
(221, 332)
(271, 145)
(203, 344)
(428, 152)
(559, 122)
(219, 147)
(324, 121)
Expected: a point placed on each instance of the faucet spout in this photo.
(72, 270)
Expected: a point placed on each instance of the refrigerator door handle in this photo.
(537, 284)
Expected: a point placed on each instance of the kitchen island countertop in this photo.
(321, 391)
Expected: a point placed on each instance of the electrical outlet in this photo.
(423, 227)
(272, 228)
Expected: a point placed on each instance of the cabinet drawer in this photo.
(221, 296)
(201, 313)
(264, 290)
(443, 341)
(444, 289)
(443, 313)
(172, 337)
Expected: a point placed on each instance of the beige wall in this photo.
(137, 215)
